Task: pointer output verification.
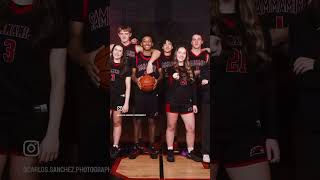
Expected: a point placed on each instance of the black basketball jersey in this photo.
(276, 14)
(130, 54)
(24, 69)
(183, 90)
(197, 61)
(166, 63)
(118, 77)
(141, 66)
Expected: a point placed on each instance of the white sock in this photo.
(170, 148)
(190, 149)
(117, 146)
(206, 158)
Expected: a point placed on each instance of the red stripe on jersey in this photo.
(20, 9)
(85, 9)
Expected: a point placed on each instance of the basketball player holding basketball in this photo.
(145, 103)
(243, 95)
(304, 31)
(181, 99)
(120, 87)
(32, 82)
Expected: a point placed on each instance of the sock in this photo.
(170, 148)
(190, 149)
(117, 146)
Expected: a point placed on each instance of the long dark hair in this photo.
(187, 65)
(123, 61)
(47, 19)
(251, 27)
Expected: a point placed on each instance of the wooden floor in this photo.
(146, 168)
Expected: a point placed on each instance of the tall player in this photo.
(120, 87)
(243, 94)
(181, 99)
(145, 103)
(32, 82)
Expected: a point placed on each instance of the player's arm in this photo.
(279, 36)
(78, 54)
(50, 144)
(154, 56)
(134, 76)
(125, 107)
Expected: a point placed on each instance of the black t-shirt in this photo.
(118, 79)
(24, 69)
(95, 15)
(276, 14)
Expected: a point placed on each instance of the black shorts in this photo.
(21, 133)
(179, 108)
(117, 101)
(146, 104)
(239, 152)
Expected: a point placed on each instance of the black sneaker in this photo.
(135, 152)
(196, 157)
(170, 156)
(153, 152)
(114, 152)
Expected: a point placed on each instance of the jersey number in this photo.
(236, 63)
(10, 49)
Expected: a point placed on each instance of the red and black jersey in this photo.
(24, 69)
(166, 63)
(197, 61)
(141, 66)
(118, 77)
(243, 87)
(276, 14)
(182, 91)
(95, 16)
(130, 54)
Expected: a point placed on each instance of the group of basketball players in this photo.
(181, 76)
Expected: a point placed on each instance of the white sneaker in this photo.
(206, 158)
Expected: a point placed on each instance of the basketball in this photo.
(101, 62)
(147, 83)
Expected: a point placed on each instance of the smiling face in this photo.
(196, 41)
(117, 52)
(124, 36)
(167, 46)
(147, 43)
(181, 54)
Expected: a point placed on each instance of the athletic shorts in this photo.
(117, 101)
(179, 108)
(239, 152)
(146, 104)
(21, 133)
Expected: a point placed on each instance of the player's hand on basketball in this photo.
(303, 64)
(195, 109)
(138, 83)
(273, 150)
(204, 82)
(215, 45)
(91, 68)
(176, 76)
(134, 41)
(155, 84)
(149, 68)
(49, 148)
(125, 108)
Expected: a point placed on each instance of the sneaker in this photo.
(206, 158)
(135, 152)
(114, 152)
(170, 156)
(192, 155)
(153, 152)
